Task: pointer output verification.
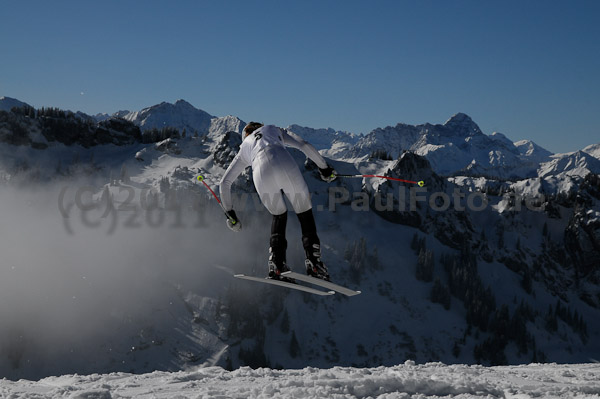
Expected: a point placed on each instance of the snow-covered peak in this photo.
(593, 150)
(391, 139)
(220, 126)
(182, 104)
(449, 148)
(463, 125)
(181, 115)
(330, 142)
(7, 103)
(533, 151)
(578, 163)
(322, 138)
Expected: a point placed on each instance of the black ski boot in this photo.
(313, 263)
(312, 246)
(277, 250)
(276, 270)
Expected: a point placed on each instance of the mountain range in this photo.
(514, 282)
(457, 147)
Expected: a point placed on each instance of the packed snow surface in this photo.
(431, 380)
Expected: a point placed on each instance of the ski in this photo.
(285, 284)
(321, 283)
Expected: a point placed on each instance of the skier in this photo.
(276, 174)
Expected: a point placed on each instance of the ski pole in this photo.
(419, 183)
(201, 179)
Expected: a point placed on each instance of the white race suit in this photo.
(273, 169)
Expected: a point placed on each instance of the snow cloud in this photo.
(72, 295)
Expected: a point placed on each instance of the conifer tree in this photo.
(294, 346)
(425, 264)
(440, 294)
(285, 322)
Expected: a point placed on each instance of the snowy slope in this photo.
(432, 380)
(578, 163)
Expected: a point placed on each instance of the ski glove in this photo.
(233, 222)
(328, 174)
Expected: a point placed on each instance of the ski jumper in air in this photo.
(276, 175)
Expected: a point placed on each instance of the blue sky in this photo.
(529, 69)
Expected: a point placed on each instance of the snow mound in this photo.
(403, 381)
